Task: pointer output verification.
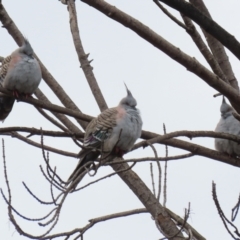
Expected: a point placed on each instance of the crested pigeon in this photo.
(20, 73)
(114, 131)
(227, 124)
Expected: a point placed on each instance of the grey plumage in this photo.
(115, 131)
(20, 73)
(227, 124)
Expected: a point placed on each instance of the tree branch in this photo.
(196, 37)
(207, 24)
(34, 131)
(175, 53)
(217, 48)
(83, 57)
(71, 126)
(145, 195)
(194, 148)
(51, 107)
(174, 19)
(180, 221)
(52, 120)
(24, 139)
(190, 135)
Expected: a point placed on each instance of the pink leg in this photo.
(15, 94)
(119, 152)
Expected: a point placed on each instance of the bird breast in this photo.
(232, 126)
(126, 132)
(23, 75)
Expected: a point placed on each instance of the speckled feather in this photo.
(100, 128)
(6, 103)
(4, 68)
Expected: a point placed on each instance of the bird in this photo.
(114, 131)
(20, 73)
(227, 124)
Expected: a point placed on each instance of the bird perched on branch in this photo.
(227, 124)
(19, 73)
(114, 131)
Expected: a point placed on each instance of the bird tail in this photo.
(87, 156)
(6, 105)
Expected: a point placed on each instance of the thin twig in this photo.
(165, 172)
(64, 153)
(34, 196)
(52, 120)
(164, 10)
(49, 106)
(216, 47)
(62, 118)
(222, 215)
(235, 210)
(197, 39)
(152, 178)
(186, 216)
(147, 159)
(35, 131)
(105, 177)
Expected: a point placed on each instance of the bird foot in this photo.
(16, 93)
(119, 152)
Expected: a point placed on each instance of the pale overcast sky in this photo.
(166, 93)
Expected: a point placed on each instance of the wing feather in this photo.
(4, 68)
(100, 128)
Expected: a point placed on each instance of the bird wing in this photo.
(6, 102)
(4, 68)
(100, 128)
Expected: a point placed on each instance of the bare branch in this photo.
(222, 215)
(175, 53)
(190, 134)
(207, 24)
(35, 131)
(183, 227)
(235, 210)
(34, 196)
(152, 178)
(196, 37)
(64, 153)
(52, 120)
(71, 126)
(49, 106)
(152, 159)
(83, 57)
(105, 177)
(159, 175)
(165, 172)
(194, 148)
(164, 10)
(179, 221)
(217, 48)
(146, 197)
